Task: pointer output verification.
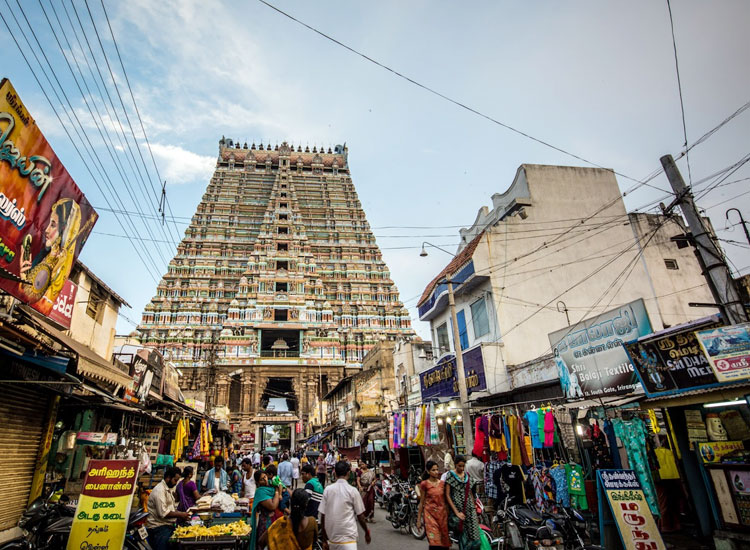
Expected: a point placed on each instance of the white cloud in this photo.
(178, 165)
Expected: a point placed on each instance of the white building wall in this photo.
(536, 252)
(98, 336)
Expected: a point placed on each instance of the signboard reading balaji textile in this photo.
(103, 508)
(673, 361)
(44, 218)
(728, 351)
(441, 381)
(589, 355)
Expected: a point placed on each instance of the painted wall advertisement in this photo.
(673, 361)
(589, 355)
(103, 508)
(629, 508)
(441, 381)
(368, 386)
(728, 351)
(44, 218)
(712, 451)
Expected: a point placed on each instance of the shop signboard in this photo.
(712, 451)
(97, 439)
(45, 219)
(103, 508)
(589, 355)
(672, 361)
(369, 391)
(62, 311)
(197, 404)
(172, 383)
(622, 503)
(142, 376)
(441, 380)
(728, 351)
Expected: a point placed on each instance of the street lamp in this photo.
(742, 221)
(461, 373)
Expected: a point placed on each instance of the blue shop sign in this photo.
(441, 380)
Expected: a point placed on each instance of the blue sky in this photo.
(594, 78)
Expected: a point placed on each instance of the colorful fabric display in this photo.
(434, 436)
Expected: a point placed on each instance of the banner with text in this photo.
(673, 361)
(589, 355)
(103, 510)
(441, 381)
(44, 217)
(728, 351)
(631, 513)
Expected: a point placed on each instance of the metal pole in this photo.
(717, 273)
(742, 221)
(460, 373)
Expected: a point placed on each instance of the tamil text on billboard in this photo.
(441, 380)
(44, 218)
(589, 355)
(728, 351)
(672, 361)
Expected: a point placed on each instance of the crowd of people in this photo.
(331, 504)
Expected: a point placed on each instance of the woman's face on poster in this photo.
(53, 230)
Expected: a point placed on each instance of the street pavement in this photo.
(385, 537)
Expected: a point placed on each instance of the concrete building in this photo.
(410, 357)
(278, 288)
(556, 248)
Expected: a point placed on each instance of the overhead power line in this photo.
(679, 88)
(446, 97)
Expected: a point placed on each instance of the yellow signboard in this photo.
(101, 518)
(712, 451)
(630, 511)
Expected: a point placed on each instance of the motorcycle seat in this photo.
(529, 515)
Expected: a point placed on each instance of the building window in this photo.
(442, 338)
(280, 315)
(671, 264)
(283, 205)
(479, 318)
(283, 216)
(281, 287)
(283, 230)
(95, 305)
(282, 247)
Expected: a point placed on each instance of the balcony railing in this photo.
(279, 353)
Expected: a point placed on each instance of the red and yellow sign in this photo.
(633, 518)
(101, 518)
(44, 217)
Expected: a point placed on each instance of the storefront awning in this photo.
(727, 392)
(90, 364)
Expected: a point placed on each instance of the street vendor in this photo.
(162, 508)
(216, 478)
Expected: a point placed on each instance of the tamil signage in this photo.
(621, 492)
(103, 508)
(62, 311)
(441, 380)
(712, 451)
(673, 361)
(44, 218)
(589, 355)
(728, 351)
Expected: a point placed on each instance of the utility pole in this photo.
(460, 373)
(716, 271)
(742, 222)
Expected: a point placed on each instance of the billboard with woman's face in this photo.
(44, 218)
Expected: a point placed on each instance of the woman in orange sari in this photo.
(433, 509)
(297, 532)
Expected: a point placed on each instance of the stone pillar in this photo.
(246, 393)
(222, 390)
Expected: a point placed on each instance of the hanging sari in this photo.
(260, 518)
(463, 499)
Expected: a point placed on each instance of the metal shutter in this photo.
(22, 414)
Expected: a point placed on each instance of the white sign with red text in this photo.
(62, 311)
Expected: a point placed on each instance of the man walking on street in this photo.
(162, 508)
(285, 471)
(320, 469)
(313, 486)
(340, 511)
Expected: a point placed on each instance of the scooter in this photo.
(572, 527)
(522, 527)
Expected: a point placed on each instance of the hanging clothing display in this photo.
(549, 428)
(559, 475)
(434, 436)
(421, 418)
(490, 489)
(576, 487)
(525, 460)
(478, 448)
(515, 441)
(633, 434)
(533, 420)
(613, 448)
(509, 479)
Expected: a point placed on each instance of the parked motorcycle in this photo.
(35, 521)
(573, 528)
(403, 507)
(520, 527)
(382, 488)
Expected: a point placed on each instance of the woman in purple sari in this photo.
(187, 491)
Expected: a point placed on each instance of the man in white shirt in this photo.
(340, 510)
(295, 470)
(162, 508)
(256, 459)
(475, 469)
